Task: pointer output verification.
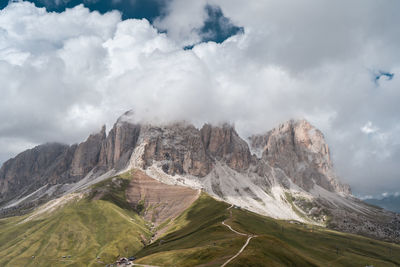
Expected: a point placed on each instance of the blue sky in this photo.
(216, 27)
(149, 9)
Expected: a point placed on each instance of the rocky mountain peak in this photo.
(300, 150)
(291, 176)
(310, 138)
(295, 147)
(103, 131)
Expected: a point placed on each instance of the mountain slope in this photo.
(73, 232)
(285, 173)
(96, 227)
(52, 165)
(198, 238)
(158, 202)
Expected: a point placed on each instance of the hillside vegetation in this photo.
(198, 238)
(83, 232)
(94, 228)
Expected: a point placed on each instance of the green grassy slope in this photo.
(198, 238)
(281, 243)
(102, 224)
(83, 229)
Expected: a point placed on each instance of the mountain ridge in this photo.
(391, 202)
(285, 173)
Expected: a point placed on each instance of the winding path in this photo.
(249, 237)
(143, 265)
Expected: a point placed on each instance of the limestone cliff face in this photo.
(30, 169)
(116, 149)
(178, 147)
(224, 144)
(87, 154)
(300, 150)
(184, 149)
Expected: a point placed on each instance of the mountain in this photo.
(391, 203)
(286, 173)
(132, 214)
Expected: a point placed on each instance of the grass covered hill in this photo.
(88, 230)
(198, 238)
(94, 228)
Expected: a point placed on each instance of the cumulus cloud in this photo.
(183, 20)
(65, 74)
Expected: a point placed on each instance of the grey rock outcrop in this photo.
(87, 154)
(116, 149)
(184, 149)
(33, 168)
(62, 164)
(224, 144)
(300, 150)
(178, 146)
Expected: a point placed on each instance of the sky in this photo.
(69, 66)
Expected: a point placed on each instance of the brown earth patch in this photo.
(158, 201)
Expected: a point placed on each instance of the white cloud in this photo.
(64, 75)
(182, 20)
(368, 128)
